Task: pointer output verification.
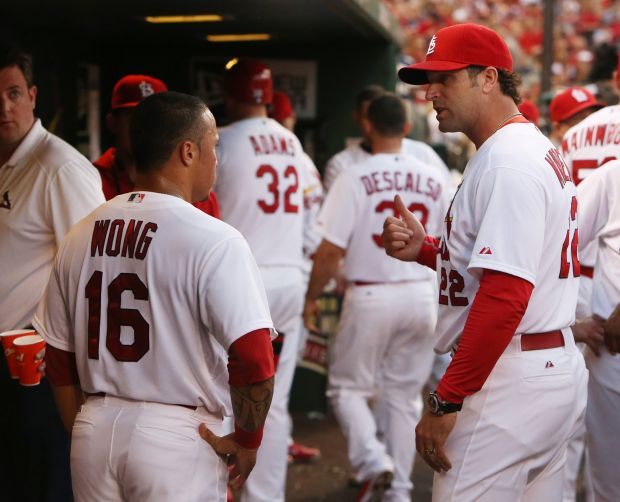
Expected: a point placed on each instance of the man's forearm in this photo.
(251, 404)
(69, 399)
(326, 262)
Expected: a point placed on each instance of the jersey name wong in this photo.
(129, 239)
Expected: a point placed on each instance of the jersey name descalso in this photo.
(129, 239)
(377, 182)
(272, 144)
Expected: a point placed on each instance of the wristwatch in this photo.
(440, 407)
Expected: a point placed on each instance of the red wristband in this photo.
(248, 440)
(428, 252)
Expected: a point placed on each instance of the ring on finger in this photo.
(430, 451)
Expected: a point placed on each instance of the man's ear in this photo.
(187, 152)
(32, 92)
(366, 127)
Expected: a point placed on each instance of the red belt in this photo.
(587, 271)
(539, 341)
(371, 283)
(103, 394)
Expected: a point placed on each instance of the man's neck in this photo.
(386, 145)
(125, 163)
(160, 183)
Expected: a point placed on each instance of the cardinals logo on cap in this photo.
(579, 96)
(146, 89)
(431, 45)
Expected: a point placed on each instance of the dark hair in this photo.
(367, 94)
(605, 63)
(13, 56)
(388, 115)
(509, 81)
(160, 123)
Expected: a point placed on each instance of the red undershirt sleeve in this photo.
(428, 252)
(60, 367)
(495, 314)
(250, 360)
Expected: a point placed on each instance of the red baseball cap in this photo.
(130, 90)
(570, 102)
(249, 81)
(281, 107)
(457, 47)
(529, 111)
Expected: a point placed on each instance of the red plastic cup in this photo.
(26, 350)
(8, 337)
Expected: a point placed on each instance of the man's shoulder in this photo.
(54, 154)
(350, 154)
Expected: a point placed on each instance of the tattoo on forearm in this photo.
(251, 404)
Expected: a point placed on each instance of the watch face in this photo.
(433, 402)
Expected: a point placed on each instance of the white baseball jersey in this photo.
(313, 199)
(515, 212)
(592, 142)
(262, 175)
(599, 220)
(585, 146)
(45, 187)
(150, 292)
(361, 198)
(355, 154)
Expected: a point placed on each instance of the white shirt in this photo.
(313, 199)
(262, 176)
(355, 154)
(515, 212)
(150, 292)
(599, 221)
(45, 187)
(592, 142)
(359, 201)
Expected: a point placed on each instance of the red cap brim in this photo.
(583, 106)
(415, 74)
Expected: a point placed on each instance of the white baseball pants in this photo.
(602, 427)
(383, 351)
(509, 441)
(267, 483)
(136, 451)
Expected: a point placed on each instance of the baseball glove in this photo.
(612, 331)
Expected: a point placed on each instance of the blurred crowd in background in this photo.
(585, 47)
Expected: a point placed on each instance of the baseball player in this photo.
(358, 152)
(267, 160)
(599, 220)
(147, 296)
(45, 187)
(567, 109)
(384, 340)
(116, 166)
(507, 264)
(281, 110)
(585, 146)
